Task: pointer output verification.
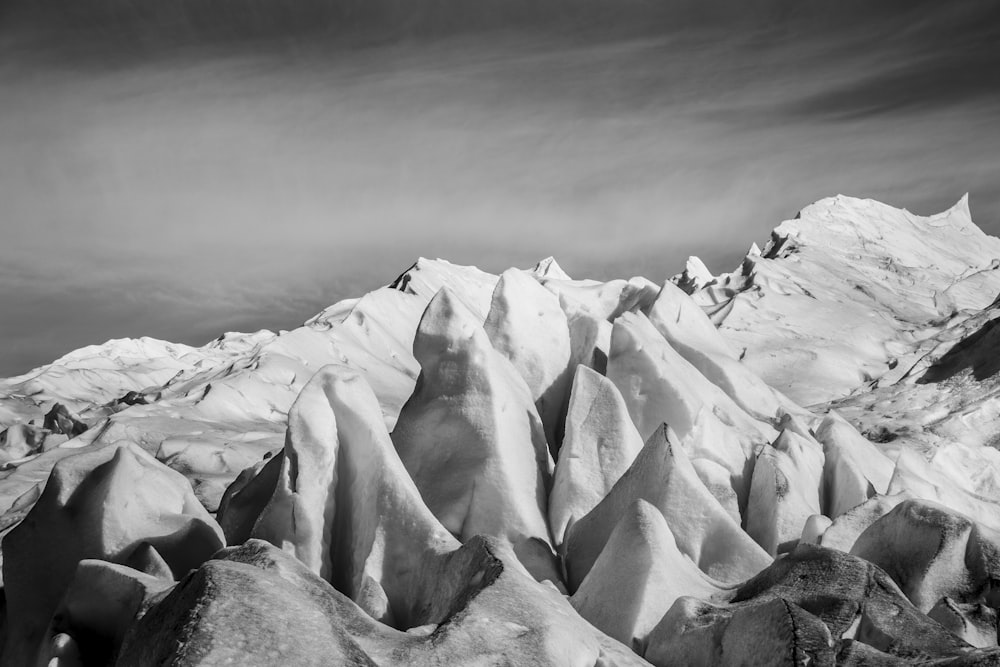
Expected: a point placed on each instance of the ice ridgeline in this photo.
(792, 463)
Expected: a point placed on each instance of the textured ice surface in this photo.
(792, 463)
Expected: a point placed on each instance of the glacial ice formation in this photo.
(792, 463)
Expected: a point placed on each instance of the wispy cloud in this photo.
(194, 190)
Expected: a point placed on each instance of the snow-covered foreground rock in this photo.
(792, 463)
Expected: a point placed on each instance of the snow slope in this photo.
(848, 287)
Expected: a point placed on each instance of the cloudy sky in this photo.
(187, 168)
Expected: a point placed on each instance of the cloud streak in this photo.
(179, 192)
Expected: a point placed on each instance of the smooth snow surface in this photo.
(793, 463)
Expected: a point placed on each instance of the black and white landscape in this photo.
(623, 457)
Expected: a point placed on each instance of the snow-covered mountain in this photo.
(792, 462)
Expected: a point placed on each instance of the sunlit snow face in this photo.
(185, 190)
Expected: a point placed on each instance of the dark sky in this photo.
(181, 169)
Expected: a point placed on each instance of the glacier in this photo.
(794, 462)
